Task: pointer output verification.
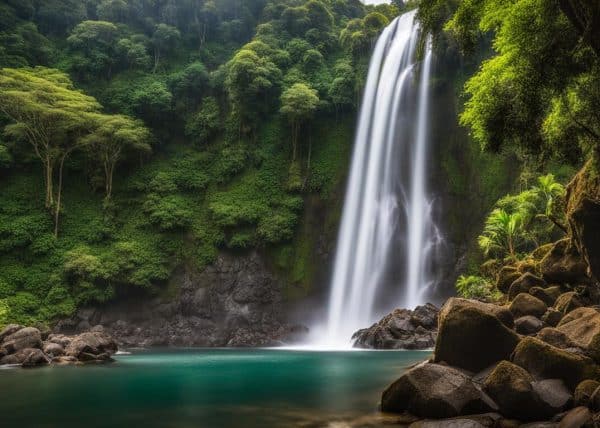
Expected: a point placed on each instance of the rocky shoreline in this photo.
(29, 347)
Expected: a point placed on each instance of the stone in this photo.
(525, 304)
(506, 276)
(27, 337)
(91, 343)
(401, 329)
(576, 418)
(18, 357)
(544, 361)
(556, 338)
(53, 349)
(567, 302)
(541, 294)
(435, 391)
(552, 317)
(584, 391)
(552, 396)
(528, 325)
(9, 329)
(525, 283)
(582, 326)
(564, 265)
(36, 358)
(510, 388)
(449, 423)
(473, 335)
(594, 403)
(65, 360)
(60, 339)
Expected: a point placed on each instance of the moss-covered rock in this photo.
(528, 325)
(435, 391)
(564, 265)
(473, 335)
(525, 283)
(525, 304)
(541, 294)
(506, 276)
(584, 392)
(556, 338)
(545, 361)
(582, 326)
(552, 317)
(568, 302)
(510, 387)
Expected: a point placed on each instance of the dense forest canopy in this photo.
(140, 135)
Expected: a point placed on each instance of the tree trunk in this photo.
(585, 17)
(156, 59)
(59, 194)
(49, 182)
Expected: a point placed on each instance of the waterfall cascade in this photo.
(387, 232)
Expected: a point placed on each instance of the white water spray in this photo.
(386, 231)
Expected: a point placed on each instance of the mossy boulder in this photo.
(545, 361)
(583, 215)
(556, 338)
(582, 326)
(528, 325)
(473, 335)
(564, 265)
(435, 391)
(510, 387)
(525, 283)
(552, 317)
(541, 294)
(527, 266)
(568, 302)
(506, 276)
(525, 304)
(584, 392)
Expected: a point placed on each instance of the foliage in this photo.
(476, 287)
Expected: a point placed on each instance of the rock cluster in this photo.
(402, 329)
(28, 347)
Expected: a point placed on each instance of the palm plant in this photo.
(502, 233)
(550, 192)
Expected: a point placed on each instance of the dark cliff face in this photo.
(235, 302)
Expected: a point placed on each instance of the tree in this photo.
(48, 113)
(164, 38)
(111, 138)
(501, 233)
(94, 41)
(298, 103)
(133, 51)
(205, 122)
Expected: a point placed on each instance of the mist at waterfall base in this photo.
(387, 240)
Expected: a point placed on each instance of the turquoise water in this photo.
(203, 388)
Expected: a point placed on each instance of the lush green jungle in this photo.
(140, 135)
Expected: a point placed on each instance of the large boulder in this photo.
(544, 361)
(584, 391)
(435, 391)
(28, 337)
(474, 335)
(576, 418)
(556, 338)
(552, 317)
(567, 302)
(9, 329)
(524, 283)
(564, 265)
(543, 295)
(582, 326)
(528, 325)
(525, 304)
(23, 355)
(85, 346)
(506, 276)
(583, 215)
(53, 349)
(36, 358)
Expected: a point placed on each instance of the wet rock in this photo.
(435, 391)
(27, 337)
(60, 339)
(582, 326)
(576, 418)
(552, 317)
(525, 304)
(528, 325)
(8, 330)
(18, 357)
(552, 396)
(564, 265)
(556, 338)
(506, 276)
(584, 391)
(525, 283)
(91, 344)
(65, 360)
(568, 302)
(450, 423)
(53, 349)
(510, 387)
(402, 329)
(36, 358)
(470, 325)
(544, 361)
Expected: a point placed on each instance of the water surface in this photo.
(210, 388)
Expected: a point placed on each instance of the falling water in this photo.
(386, 231)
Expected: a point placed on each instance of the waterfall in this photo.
(386, 231)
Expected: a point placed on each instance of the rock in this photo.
(27, 337)
(435, 391)
(582, 326)
(470, 325)
(53, 349)
(552, 317)
(506, 276)
(584, 392)
(567, 302)
(18, 357)
(65, 360)
(552, 396)
(556, 338)
(8, 330)
(91, 343)
(576, 418)
(402, 329)
(528, 325)
(583, 215)
(510, 387)
(541, 294)
(545, 361)
(60, 339)
(450, 423)
(36, 358)
(564, 265)
(594, 403)
(525, 304)
(525, 283)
